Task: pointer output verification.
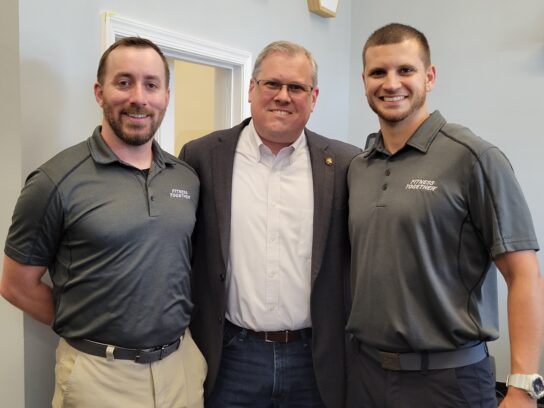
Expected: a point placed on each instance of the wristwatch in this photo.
(532, 383)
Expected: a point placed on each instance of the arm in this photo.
(525, 318)
(21, 285)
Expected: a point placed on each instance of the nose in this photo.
(391, 81)
(138, 96)
(283, 94)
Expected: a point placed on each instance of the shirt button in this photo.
(152, 198)
(222, 277)
(384, 187)
(387, 172)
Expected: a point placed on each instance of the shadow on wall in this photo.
(40, 345)
(43, 99)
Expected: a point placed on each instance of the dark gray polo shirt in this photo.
(424, 225)
(117, 244)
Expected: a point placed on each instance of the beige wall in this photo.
(193, 102)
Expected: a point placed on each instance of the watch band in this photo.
(531, 383)
(522, 381)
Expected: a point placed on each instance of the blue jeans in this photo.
(257, 374)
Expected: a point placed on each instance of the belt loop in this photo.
(425, 362)
(242, 335)
(109, 353)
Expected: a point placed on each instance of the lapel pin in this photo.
(328, 161)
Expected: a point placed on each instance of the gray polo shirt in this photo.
(117, 243)
(424, 225)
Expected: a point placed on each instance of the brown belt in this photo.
(281, 336)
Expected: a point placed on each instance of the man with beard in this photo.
(432, 208)
(111, 218)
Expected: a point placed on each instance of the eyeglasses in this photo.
(273, 87)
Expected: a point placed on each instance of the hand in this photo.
(517, 398)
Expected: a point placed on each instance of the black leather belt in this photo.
(142, 356)
(282, 336)
(432, 360)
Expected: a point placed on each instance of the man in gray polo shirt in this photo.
(432, 207)
(111, 218)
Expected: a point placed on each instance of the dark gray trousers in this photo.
(371, 386)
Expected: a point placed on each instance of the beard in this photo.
(395, 116)
(132, 135)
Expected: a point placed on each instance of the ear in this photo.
(98, 94)
(167, 96)
(364, 83)
(252, 85)
(315, 93)
(430, 79)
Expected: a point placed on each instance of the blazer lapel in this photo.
(323, 181)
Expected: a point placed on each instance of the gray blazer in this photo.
(212, 157)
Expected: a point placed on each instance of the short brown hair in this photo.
(395, 33)
(130, 42)
(289, 48)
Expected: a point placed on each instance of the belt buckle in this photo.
(161, 354)
(142, 355)
(285, 339)
(390, 361)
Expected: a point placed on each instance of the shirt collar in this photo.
(252, 145)
(420, 140)
(102, 153)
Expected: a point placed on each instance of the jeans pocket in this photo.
(230, 334)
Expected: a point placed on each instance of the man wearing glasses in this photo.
(271, 248)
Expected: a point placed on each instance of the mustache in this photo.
(137, 111)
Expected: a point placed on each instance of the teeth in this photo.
(137, 115)
(281, 112)
(393, 98)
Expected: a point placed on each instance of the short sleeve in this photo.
(497, 206)
(37, 222)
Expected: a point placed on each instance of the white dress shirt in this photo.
(268, 274)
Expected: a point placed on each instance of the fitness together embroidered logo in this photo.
(419, 184)
(179, 193)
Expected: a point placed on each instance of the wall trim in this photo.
(184, 47)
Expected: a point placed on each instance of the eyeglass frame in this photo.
(304, 88)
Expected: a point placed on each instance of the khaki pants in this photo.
(87, 381)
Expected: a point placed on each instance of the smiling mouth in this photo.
(136, 115)
(392, 98)
(280, 112)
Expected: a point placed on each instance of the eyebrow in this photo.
(130, 75)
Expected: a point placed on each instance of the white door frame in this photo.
(180, 46)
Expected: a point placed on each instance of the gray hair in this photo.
(289, 48)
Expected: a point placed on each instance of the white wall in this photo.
(490, 77)
(11, 340)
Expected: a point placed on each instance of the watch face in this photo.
(538, 386)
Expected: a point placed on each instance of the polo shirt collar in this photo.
(103, 154)
(420, 140)
(258, 151)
